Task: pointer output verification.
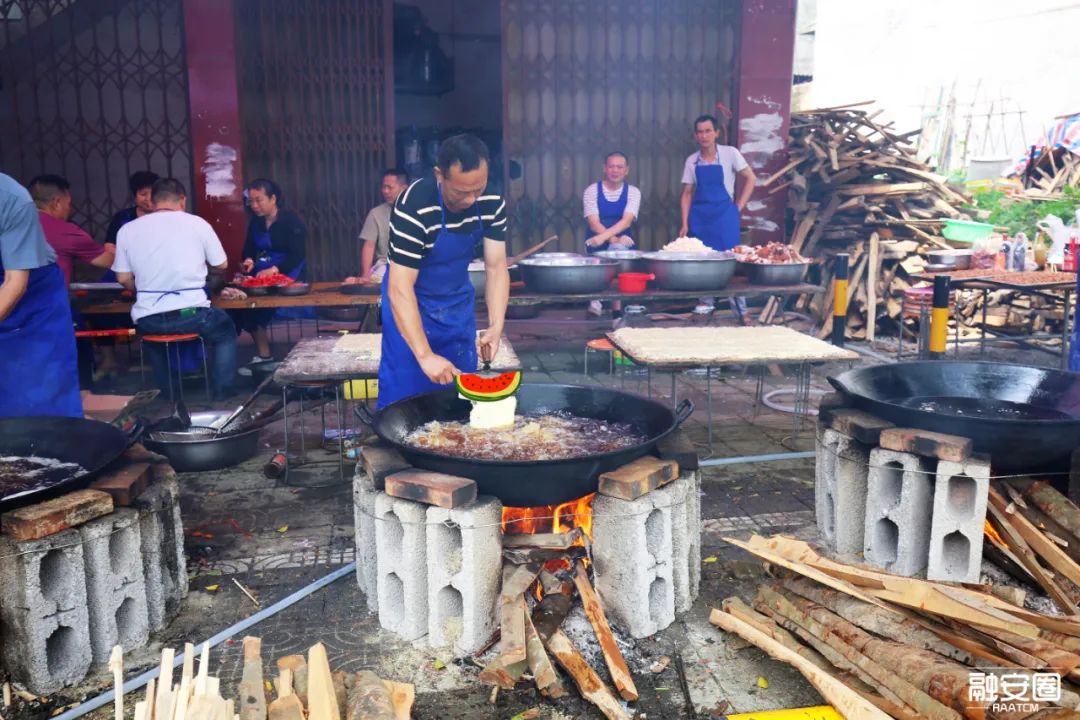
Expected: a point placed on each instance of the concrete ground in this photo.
(275, 536)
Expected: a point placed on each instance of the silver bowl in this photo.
(955, 259)
(773, 274)
(691, 271)
(629, 260)
(197, 449)
(553, 256)
(568, 275)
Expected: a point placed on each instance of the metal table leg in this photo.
(708, 407)
(982, 336)
(1065, 332)
(341, 432)
(285, 422)
(674, 391)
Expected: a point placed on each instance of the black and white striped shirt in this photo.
(416, 221)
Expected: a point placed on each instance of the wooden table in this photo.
(323, 294)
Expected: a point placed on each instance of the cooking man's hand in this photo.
(438, 369)
(247, 265)
(488, 344)
(268, 272)
(683, 231)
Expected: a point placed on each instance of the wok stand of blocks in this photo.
(909, 501)
(433, 572)
(90, 570)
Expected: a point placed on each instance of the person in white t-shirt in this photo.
(611, 207)
(164, 256)
(712, 199)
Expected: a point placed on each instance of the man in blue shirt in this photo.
(38, 370)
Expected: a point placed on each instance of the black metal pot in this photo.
(1026, 418)
(541, 482)
(197, 450)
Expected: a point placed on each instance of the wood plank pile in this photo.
(305, 689)
(540, 575)
(855, 186)
(1052, 173)
(878, 645)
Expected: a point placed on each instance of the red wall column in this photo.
(215, 120)
(766, 56)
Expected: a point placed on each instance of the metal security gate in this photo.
(93, 90)
(584, 78)
(316, 104)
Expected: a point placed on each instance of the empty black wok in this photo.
(541, 482)
(1027, 418)
(89, 443)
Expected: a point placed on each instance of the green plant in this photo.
(1020, 214)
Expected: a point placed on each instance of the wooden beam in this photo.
(547, 680)
(589, 684)
(369, 699)
(251, 693)
(873, 269)
(322, 701)
(620, 674)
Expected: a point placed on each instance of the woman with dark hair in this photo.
(275, 244)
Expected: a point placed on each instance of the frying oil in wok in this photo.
(983, 408)
(19, 474)
(545, 437)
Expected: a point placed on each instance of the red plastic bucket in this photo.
(634, 282)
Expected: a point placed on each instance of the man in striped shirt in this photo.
(438, 226)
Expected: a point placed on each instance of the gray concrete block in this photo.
(632, 557)
(956, 532)
(694, 526)
(899, 509)
(840, 483)
(678, 495)
(115, 586)
(464, 562)
(161, 534)
(401, 545)
(44, 623)
(367, 571)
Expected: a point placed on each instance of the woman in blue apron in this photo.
(275, 242)
(447, 303)
(40, 374)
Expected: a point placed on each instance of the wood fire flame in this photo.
(557, 519)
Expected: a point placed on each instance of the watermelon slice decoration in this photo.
(486, 388)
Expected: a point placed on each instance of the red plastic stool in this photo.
(600, 345)
(168, 340)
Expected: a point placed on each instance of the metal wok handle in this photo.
(683, 411)
(838, 384)
(365, 415)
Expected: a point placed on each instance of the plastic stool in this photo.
(168, 340)
(600, 345)
(917, 303)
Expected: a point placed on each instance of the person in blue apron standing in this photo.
(38, 369)
(276, 243)
(611, 207)
(428, 303)
(712, 200)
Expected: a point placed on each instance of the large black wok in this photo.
(543, 482)
(1027, 418)
(90, 443)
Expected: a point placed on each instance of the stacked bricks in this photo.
(45, 634)
(115, 585)
(161, 534)
(68, 597)
(463, 569)
(645, 555)
(840, 485)
(956, 533)
(899, 511)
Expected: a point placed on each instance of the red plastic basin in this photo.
(634, 282)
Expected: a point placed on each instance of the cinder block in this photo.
(401, 544)
(161, 534)
(956, 533)
(44, 623)
(464, 559)
(367, 571)
(694, 527)
(115, 587)
(899, 508)
(840, 481)
(632, 556)
(679, 496)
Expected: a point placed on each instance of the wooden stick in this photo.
(284, 683)
(140, 710)
(245, 591)
(322, 702)
(286, 708)
(369, 698)
(164, 685)
(873, 269)
(512, 659)
(201, 681)
(183, 696)
(1046, 548)
(116, 665)
(850, 704)
(1023, 551)
(298, 665)
(547, 680)
(403, 695)
(620, 674)
(149, 698)
(251, 691)
(589, 684)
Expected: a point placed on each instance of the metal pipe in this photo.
(751, 459)
(138, 682)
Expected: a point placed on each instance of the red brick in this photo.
(432, 488)
(636, 478)
(926, 443)
(52, 516)
(862, 426)
(380, 460)
(124, 484)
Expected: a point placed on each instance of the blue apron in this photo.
(714, 219)
(40, 374)
(267, 257)
(447, 303)
(609, 214)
